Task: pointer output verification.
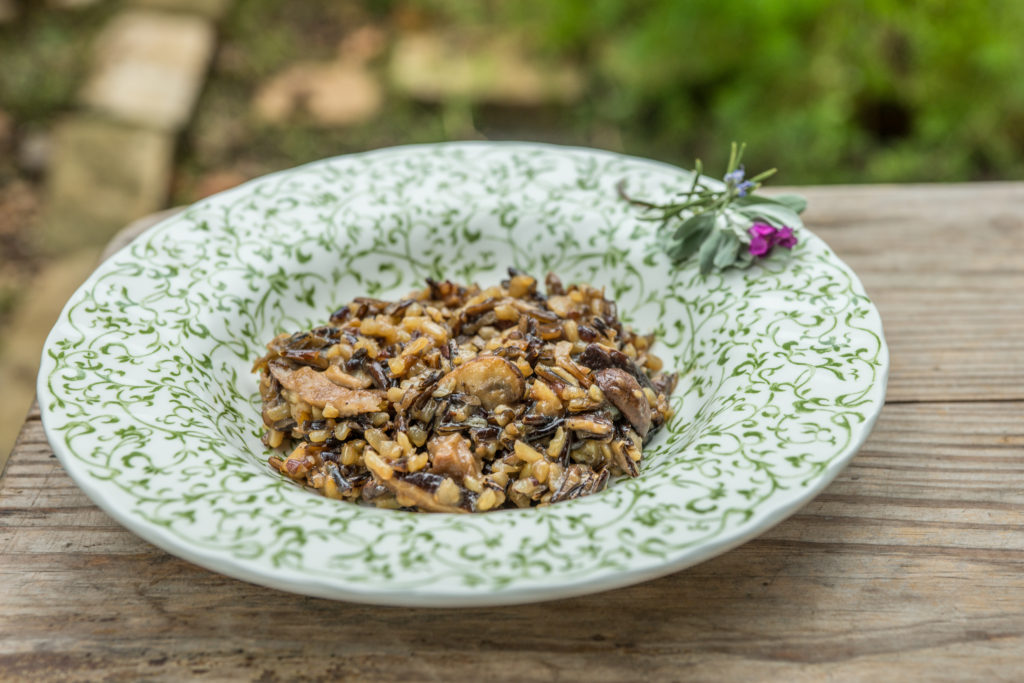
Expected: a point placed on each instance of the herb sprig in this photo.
(725, 225)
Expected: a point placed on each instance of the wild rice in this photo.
(462, 399)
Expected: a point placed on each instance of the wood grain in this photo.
(910, 566)
(944, 265)
(913, 554)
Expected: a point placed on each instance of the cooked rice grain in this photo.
(462, 399)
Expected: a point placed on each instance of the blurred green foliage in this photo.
(42, 58)
(872, 90)
(829, 91)
(259, 39)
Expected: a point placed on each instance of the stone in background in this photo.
(112, 161)
(438, 67)
(103, 175)
(149, 68)
(106, 164)
(213, 9)
(340, 92)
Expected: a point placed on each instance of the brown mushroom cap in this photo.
(624, 391)
(492, 379)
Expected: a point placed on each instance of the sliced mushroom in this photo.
(624, 391)
(344, 379)
(492, 379)
(316, 390)
(410, 495)
(541, 315)
(372, 490)
(599, 357)
(460, 399)
(471, 328)
(451, 455)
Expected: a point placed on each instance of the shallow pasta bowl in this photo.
(147, 398)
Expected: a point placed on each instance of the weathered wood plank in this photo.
(907, 566)
(910, 559)
(943, 264)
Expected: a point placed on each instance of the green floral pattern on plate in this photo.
(148, 401)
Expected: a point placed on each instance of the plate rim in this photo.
(436, 596)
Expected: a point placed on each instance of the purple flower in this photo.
(764, 237)
(785, 237)
(743, 188)
(734, 177)
(759, 246)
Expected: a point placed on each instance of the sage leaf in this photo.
(688, 246)
(706, 256)
(793, 202)
(713, 221)
(776, 214)
(728, 246)
(701, 221)
(743, 259)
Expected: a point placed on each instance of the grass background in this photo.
(872, 91)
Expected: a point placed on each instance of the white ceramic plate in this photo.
(148, 400)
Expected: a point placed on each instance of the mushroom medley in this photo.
(462, 399)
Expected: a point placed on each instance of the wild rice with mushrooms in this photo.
(461, 399)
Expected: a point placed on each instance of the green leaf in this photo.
(728, 246)
(793, 202)
(701, 221)
(685, 249)
(706, 256)
(688, 247)
(694, 231)
(716, 232)
(772, 212)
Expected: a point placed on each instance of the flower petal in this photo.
(736, 176)
(785, 237)
(759, 246)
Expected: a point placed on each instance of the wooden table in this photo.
(909, 567)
